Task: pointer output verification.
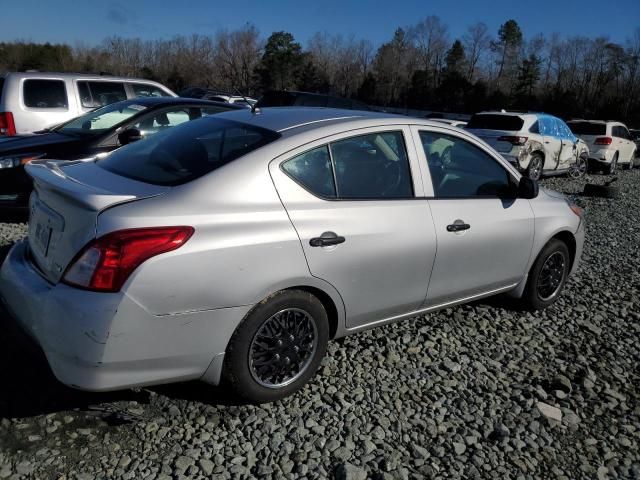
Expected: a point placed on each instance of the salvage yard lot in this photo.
(454, 394)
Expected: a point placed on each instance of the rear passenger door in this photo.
(484, 233)
(552, 142)
(357, 204)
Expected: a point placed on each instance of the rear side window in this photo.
(314, 171)
(186, 152)
(588, 128)
(535, 128)
(485, 121)
(1, 86)
(373, 166)
(99, 94)
(45, 94)
(146, 90)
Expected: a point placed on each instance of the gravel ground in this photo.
(478, 391)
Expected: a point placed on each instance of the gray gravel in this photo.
(478, 391)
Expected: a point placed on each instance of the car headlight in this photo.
(17, 160)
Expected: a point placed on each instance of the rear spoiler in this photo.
(47, 175)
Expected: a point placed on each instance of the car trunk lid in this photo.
(64, 208)
(493, 138)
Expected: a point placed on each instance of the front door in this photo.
(552, 142)
(354, 204)
(484, 233)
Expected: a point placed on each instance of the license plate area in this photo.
(44, 226)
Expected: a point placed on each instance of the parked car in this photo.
(635, 134)
(33, 101)
(217, 96)
(94, 133)
(537, 144)
(237, 245)
(285, 98)
(610, 143)
(449, 121)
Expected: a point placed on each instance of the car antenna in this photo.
(254, 109)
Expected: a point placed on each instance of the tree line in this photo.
(420, 67)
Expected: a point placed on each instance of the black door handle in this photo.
(326, 240)
(458, 227)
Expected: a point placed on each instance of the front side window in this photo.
(146, 90)
(459, 169)
(97, 94)
(186, 152)
(45, 94)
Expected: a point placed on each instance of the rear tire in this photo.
(536, 165)
(631, 162)
(611, 168)
(547, 276)
(579, 169)
(278, 347)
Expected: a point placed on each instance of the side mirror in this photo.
(129, 135)
(527, 188)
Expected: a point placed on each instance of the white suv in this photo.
(610, 143)
(536, 143)
(33, 101)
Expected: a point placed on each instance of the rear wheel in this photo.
(547, 276)
(534, 170)
(278, 347)
(631, 161)
(612, 167)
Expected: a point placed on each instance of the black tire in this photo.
(631, 162)
(535, 167)
(535, 297)
(239, 371)
(611, 168)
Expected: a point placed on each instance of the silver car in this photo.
(234, 247)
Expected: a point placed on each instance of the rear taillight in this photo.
(106, 263)
(7, 125)
(513, 140)
(603, 141)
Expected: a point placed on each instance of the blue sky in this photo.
(91, 21)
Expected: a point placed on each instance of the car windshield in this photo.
(186, 152)
(509, 123)
(587, 128)
(100, 120)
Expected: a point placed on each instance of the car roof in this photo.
(171, 101)
(280, 119)
(93, 76)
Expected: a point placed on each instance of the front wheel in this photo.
(536, 164)
(547, 276)
(579, 168)
(278, 347)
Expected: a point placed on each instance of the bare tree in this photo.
(476, 42)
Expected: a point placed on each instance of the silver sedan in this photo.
(232, 248)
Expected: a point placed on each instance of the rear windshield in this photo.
(186, 152)
(509, 123)
(587, 128)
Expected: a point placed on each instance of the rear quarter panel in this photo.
(243, 249)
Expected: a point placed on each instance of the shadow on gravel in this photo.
(27, 386)
(13, 217)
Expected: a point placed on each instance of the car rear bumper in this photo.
(107, 341)
(579, 237)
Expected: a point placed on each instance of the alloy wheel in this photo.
(551, 276)
(283, 348)
(535, 168)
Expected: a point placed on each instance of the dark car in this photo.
(285, 98)
(99, 131)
